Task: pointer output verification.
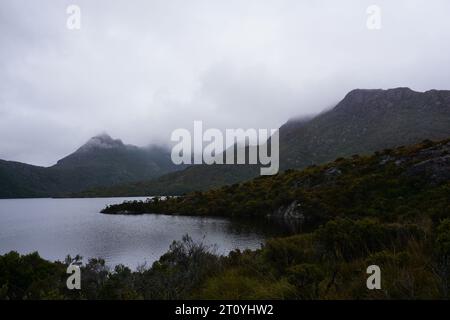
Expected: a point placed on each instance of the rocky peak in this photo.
(102, 141)
(362, 95)
(370, 98)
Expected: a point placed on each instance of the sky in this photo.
(140, 69)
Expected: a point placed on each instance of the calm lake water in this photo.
(58, 227)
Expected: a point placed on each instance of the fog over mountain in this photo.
(140, 70)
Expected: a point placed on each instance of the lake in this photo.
(58, 227)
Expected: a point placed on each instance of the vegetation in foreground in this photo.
(391, 209)
(329, 263)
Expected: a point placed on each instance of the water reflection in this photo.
(57, 227)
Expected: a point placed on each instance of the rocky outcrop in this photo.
(437, 169)
(292, 211)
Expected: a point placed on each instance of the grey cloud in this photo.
(140, 69)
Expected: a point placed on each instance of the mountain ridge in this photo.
(364, 121)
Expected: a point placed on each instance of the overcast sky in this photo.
(139, 69)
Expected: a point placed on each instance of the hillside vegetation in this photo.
(401, 184)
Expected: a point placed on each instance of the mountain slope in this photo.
(19, 180)
(363, 122)
(102, 161)
(400, 183)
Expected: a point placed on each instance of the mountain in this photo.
(19, 180)
(102, 161)
(366, 121)
(363, 122)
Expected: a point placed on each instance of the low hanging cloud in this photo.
(140, 70)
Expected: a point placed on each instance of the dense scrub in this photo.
(394, 185)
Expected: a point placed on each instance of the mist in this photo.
(140, 70)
